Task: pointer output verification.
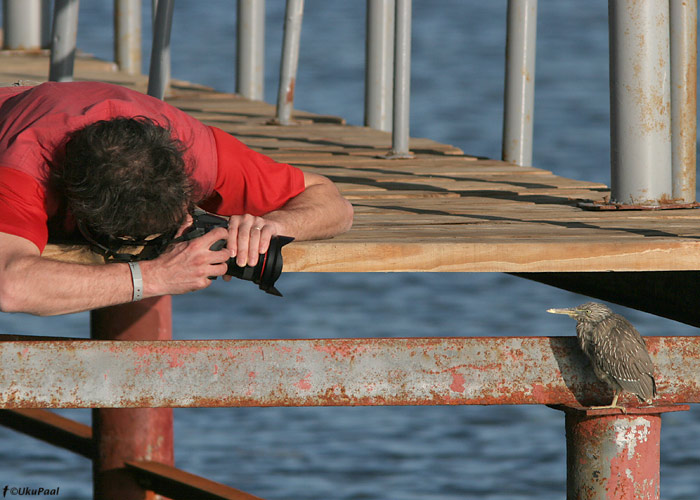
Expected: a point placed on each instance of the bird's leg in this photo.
(611, 405)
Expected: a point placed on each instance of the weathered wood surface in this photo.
(441, 211)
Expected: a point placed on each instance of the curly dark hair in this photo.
(125, 177)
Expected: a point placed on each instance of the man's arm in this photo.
(32, 284)
(318, 212)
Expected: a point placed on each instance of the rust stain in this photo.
(634, 470)
(290, 91)
(458, 382)
(175, 361)
(304, 383)
(341, 350)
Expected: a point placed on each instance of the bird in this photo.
(616, 350)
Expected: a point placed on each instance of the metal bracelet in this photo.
(137, 281)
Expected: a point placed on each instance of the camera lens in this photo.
(267, 270)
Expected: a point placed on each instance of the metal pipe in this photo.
(325, 372)
(159, 72)
(640, 107)
(250, 49)
(402, 81)
(684, 42)
(519, 98)
(379, 62)
(154, 9)
(26, 24)
(130, 434)
(290, 60)
(610, 455)
(127, 35)
(63, 41)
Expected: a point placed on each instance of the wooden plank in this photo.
(503, 254)
(180, 485)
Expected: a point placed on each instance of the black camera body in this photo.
(264, 273)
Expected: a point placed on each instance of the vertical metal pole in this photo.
(159, 72)
(614, 456)
(26, 24)
(63, 40)
(127, 35)
(684, 47)
(154, 9)
(640, 107)
(290, 60)
(379, 64)
(519, 98)
(250, 49)
(402, 81)
(130, 434)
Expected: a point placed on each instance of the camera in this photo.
(264, 273)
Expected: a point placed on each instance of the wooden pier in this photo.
(442, 210)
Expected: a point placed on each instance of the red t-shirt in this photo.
(34, 123)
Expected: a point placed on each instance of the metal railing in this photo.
(349, 372)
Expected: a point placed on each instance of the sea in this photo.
(387, 453)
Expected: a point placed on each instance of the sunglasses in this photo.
(109, 246)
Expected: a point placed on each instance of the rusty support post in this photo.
(640, 103)
(519, 87)
(63, 40)
(130, 434)
(611, 455)
(290, 60)
(250, 49)
(26, 24)
(159, 69)
(400, 135)
(684, 48)
(379, 64)
(127, 35)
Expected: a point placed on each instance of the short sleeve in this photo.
(22, 207)
(248, 181)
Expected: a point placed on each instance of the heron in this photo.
(616, 350)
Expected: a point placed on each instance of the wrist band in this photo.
(136, 280)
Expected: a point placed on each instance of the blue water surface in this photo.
(441, 453)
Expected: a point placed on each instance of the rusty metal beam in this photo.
(51, 428)
(179, 485)
(343, 372)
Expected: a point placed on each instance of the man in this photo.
(110, 162)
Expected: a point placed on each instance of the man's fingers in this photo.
(247, 237)
(254, 245)
(216, 234)
(218, 269)
(233, 225)
(265, 236)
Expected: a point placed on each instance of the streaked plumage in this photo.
(616, 349)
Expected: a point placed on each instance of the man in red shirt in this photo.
(114, 162)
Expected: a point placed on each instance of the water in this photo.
(407, 453)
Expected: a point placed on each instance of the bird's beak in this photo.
(568, 312)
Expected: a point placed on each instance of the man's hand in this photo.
(186, 267)
(248, 237)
